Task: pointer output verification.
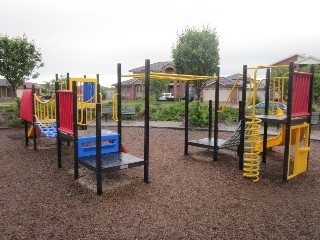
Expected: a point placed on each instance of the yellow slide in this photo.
(279, 140)
(30, 131)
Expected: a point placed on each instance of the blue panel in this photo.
(48, 131)
(88, 91)
(87, 145)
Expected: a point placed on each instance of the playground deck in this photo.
(112, 161)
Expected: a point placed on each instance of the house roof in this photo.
(301, 59)
(29, 85)
(127, 82)
(227, 81)
(154, 67)
(3, 83)
(308, 60)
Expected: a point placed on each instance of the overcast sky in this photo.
(92, 36)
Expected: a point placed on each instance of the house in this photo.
(5, 90)
(225, 86)
(133, 88)
(28, 85)
(298, 59)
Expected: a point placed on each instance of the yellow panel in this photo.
(300, 161)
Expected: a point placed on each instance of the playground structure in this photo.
(99, 153)
(296, 123)
(41, 115)
(105, 153)
(247, 134)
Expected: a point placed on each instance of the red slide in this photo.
(26, 106)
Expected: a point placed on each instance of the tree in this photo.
(157, 87)
(18, 60)
(316, 87)
(316, 84)
(197, 53)
(279, 73)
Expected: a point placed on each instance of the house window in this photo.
(138, 90)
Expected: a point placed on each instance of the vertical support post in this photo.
(26, 132)
(240, 113)
(310, 107)
(58, 123)
(68, 82)
(146, 120)
(243, 117)
(84, 112)
(119, 105)
(210, 120)
(98, 143)
(186, 119)
(34, 124)
(288, 124)
(216, 108)
(75, 130)
(266, 112)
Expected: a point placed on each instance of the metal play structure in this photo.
(41, 115)
(103, 153)
(99, 153)
(246, 136)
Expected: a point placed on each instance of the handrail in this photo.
(169, 76)
(45, 111)
(115, 107)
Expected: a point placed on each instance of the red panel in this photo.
(300, 94)
(26, 106)
(66, 111)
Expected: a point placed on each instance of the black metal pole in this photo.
(216, 108)
(98, 143)
(26, 132)
(68, 82)
(240, 113)
(288, 124)
(34, 124)
(75, 130)
(310, 108)
(146, 120)
(186, 119)
(266, 112)
(58, 123)
(119, 105)
(210, 120)
(243, 117)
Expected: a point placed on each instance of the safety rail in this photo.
(115, 107)
(87, 110)
(45, 111)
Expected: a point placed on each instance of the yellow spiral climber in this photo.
(251, 151)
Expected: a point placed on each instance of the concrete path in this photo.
(315, 132)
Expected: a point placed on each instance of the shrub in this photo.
(14, 119)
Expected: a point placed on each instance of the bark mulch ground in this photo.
(188, 197)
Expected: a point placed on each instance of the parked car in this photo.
(272, 106)
(47, 97)
(192, 96)
(166, 97)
